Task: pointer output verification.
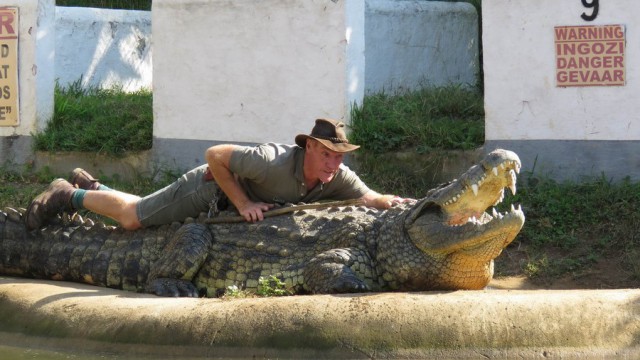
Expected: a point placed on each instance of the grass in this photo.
(572, 227)
(108, 4)
(427, 121)
(107, 121)
(450, 117)
(146, 4)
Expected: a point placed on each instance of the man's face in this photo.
(322, 163)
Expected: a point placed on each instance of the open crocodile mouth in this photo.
(466, 200)
(461, 210)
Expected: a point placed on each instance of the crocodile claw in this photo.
(172, 288)
(349, 284)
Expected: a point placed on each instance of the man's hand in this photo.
(253, 211)
(392, 200)
(386, 201)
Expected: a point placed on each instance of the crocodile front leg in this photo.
(339, 271)
(172, 274)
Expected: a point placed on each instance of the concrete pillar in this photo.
(251, 71)
(36, 74)
(565, 130)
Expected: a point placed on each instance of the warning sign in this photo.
(9, 110)
(590, 55)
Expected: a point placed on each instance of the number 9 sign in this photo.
(595, 5)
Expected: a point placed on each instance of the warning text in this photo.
(590, 55)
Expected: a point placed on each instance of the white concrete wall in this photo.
(251, 71)
(409, 44)
(412, 44)
(521, 97)
(104, 47)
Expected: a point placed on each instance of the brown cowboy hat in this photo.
(329, 133)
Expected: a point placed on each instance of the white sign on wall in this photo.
(9, 110)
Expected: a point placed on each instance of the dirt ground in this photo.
(607, 272)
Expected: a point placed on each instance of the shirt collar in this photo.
(299, 165)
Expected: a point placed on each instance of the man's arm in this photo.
(380, 201)
(218, 158)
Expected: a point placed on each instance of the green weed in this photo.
(267, 287)
(272, 286)
(234, 292)
(95, 120)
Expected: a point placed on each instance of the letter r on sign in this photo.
(6, 23)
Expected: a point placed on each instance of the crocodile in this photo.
(444, 241)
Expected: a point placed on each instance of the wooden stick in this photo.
(285, 210)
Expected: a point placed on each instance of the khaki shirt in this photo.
(273, 173)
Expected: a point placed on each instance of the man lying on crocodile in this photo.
(252, 178)
(444, 241)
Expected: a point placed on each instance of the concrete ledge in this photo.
(126, 167)
(434, 168)
(494, 323)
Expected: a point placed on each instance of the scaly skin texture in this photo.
(445, 241)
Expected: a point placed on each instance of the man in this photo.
(252, 178)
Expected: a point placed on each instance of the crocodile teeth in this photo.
(494, 213)
(474, 187)
(452, 200)
(495, 171)
(512, 182)
(500, 198)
